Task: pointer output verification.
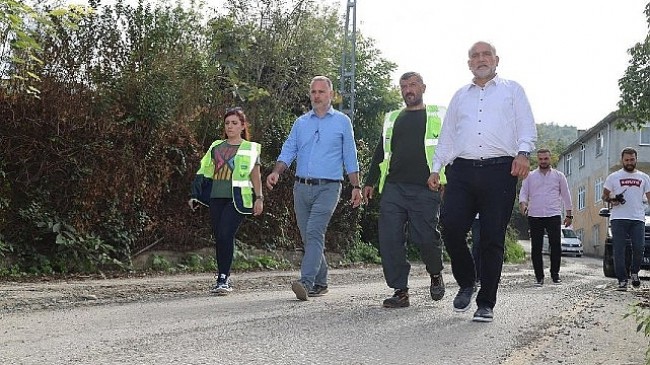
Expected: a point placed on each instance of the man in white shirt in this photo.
(625, 190)
(485, 142)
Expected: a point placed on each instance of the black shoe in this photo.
(539, 282)
(437, 288)
(622, 285)
(557, 280)
(299, 289)
(318, 291)
(483, 314)
(399, 300)
(463, 299)
(636, 282)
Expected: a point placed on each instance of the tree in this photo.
(634, 105)
(20, 49)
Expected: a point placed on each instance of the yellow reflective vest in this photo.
(435, 115)
(242, 186)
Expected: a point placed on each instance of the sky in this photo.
(567, 54)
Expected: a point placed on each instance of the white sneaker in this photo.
(222, 286)
(622, 285)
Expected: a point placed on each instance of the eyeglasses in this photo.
(235, 109)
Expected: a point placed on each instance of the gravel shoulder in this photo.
(579, 322)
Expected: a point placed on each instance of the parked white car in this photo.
(571, 244)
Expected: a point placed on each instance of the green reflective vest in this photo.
(242, 186)
(435, 115)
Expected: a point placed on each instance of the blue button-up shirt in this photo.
(322, 147)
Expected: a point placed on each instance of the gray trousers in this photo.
(314, 205)
(412, 209)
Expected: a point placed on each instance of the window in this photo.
(581, 198)
(583, 153)
(644, 135)
(598, 190)
(567, 164)
(581, 234)
(600, 143)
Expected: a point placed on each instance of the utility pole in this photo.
(348, 61)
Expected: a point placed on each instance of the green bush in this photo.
(514, 253)
(362, 252)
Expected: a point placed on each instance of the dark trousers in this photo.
(621, 228)
(414, 209)
(476, 247)
(553, 227)
(490, 191)
(225, 221)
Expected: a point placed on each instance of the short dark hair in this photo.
(543, 150)
(628, 151)
(410, 74)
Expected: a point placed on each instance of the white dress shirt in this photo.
(484, 122)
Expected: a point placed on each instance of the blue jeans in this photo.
(414, 209)
(621, 228)
(314, 206)
(225, 221)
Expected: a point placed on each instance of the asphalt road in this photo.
(103, 322)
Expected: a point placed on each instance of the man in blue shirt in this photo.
(322, 143)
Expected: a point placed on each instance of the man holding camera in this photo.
(624, 190)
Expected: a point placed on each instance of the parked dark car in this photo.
(608, 256)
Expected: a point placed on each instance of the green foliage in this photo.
(21, 52)
(362, 252)
(641, 315)
(634, 105)
(250, 261)
(514, 253)
(57, 247)
(130, 97)
(161, 263)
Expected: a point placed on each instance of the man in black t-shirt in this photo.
(400, 167)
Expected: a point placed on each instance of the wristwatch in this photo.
(524, 153)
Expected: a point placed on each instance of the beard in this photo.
(484, 72)
(545, 166)
(411, 100)
(630, 167)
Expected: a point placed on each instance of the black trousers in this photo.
(490, 190)
(553, 226)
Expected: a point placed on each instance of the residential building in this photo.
(586, 163)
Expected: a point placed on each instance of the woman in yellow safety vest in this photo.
(229, 182)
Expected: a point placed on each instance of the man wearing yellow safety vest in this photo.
(400, 167)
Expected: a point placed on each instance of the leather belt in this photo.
(315, 181)
(483, 162)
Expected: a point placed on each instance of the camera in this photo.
(619, 198)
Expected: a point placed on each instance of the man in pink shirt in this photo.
(542, 196)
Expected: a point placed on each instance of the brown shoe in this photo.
(299, 289)
(399, 300)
